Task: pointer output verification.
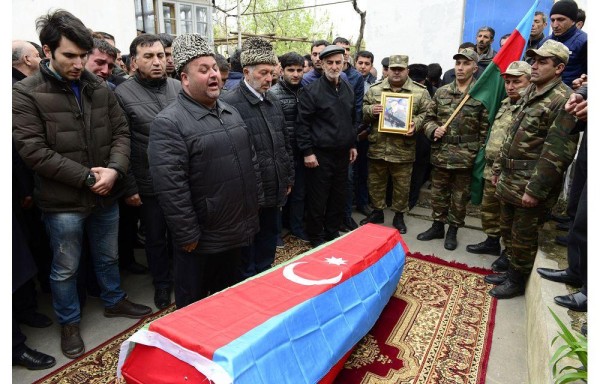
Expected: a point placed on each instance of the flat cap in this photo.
(466, 53)
(398, 61)
(188, 47)
(331, 50)
(518, 68)
(551, 48)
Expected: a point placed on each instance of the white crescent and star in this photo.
(288, 273)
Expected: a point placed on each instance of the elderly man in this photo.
(266, 123)
(325, 133)
(205, 175)
(453, 149)
(528, 172)
(516, 77)
(54, 111)
(390, 154)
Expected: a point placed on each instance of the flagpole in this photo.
(447, 123)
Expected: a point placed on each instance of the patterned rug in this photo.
(437, 328)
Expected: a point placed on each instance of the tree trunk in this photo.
(363, 21)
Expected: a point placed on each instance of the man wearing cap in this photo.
(326, 135)
(562, 21)
(516, 77)
(529, 169)
(453, 149)
(142, 97)
(385, 62)
(265, 120)
(391, 154)
(317, 71)
(205, 174)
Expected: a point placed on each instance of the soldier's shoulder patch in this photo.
(419, 85)
(377, 83)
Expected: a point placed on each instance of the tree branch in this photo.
(363, 21)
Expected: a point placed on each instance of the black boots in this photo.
(501, 263)
(399, 222)
(435, 232)
(513, 285)
(491, 246)
(376, 217)
(450, 243)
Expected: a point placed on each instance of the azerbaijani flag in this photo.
(489, 88)
(296, 323)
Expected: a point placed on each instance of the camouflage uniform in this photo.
(453, 155)
(389, 153)
(537, 151)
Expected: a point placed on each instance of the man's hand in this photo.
(581, 111)
(529, 201)
(311, 161)
(577, 106)
(411, 129)
(377, 109)
(190, 247)
(134, 200)
(353, 155)
(577, 83)
(289, 190)
(105, 179)
(495, 179)
(438, 133)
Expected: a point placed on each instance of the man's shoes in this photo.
(574, 301)
(435, 232)
(136, 268)
(398, 222)
(559, 276)
(35, 320)
(126, 308)
(280, 243)
(300, 236)
(561, 240)
(501, 263)
(162, 297)
(71, 343)
(563, 227)
(513, 286)
(348, 225)
(33, 360)
(450, 243)
(496, 278)
(364, 209)
(490, 246)
(376, 217)
(560, 218)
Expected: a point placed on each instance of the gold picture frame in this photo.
(397, 112)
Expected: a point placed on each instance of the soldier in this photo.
(392, 154)
(453, 149)
(528, 171)
(516, 77)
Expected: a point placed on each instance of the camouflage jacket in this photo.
(466, 133)
(393, 147)
(540, 135)
(498, 132)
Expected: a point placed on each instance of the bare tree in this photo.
(363, 20)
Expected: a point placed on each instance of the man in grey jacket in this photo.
(205, 175)
(142, 97)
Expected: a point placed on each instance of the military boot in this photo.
(450, 243)
(491, 246)
(501, 263)
(513, 286)
(399, 222)
(435, 232)
(496, 278)
(376, 217)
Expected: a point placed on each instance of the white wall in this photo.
(428, 31)
(116, 17)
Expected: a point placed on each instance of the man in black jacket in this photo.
(142, 97)
(326, 134)
(264, 118)
(205, 175)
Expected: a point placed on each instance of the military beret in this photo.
(551, 48)
(466, 53)
(188, 47)
(518, 68)
(331, 50)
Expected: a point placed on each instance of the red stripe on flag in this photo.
(511, 51)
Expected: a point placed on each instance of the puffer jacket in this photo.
(142, 100)
(205, 174)
(288, 98)
(266, 124)
(61, 140)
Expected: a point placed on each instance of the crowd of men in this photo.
(204, 160)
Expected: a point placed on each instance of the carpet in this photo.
(437, 328)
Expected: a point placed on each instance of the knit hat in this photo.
(188, 47)
(567, 8)
(257, 50)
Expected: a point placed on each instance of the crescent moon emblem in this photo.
(288, 273)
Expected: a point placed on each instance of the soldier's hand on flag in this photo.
(438, 133)
(529, 201)
(311, 161)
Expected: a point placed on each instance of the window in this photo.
(144, 15)
(185, 17)
(170, 18)
(202, 21)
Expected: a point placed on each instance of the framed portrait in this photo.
(397, 112)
